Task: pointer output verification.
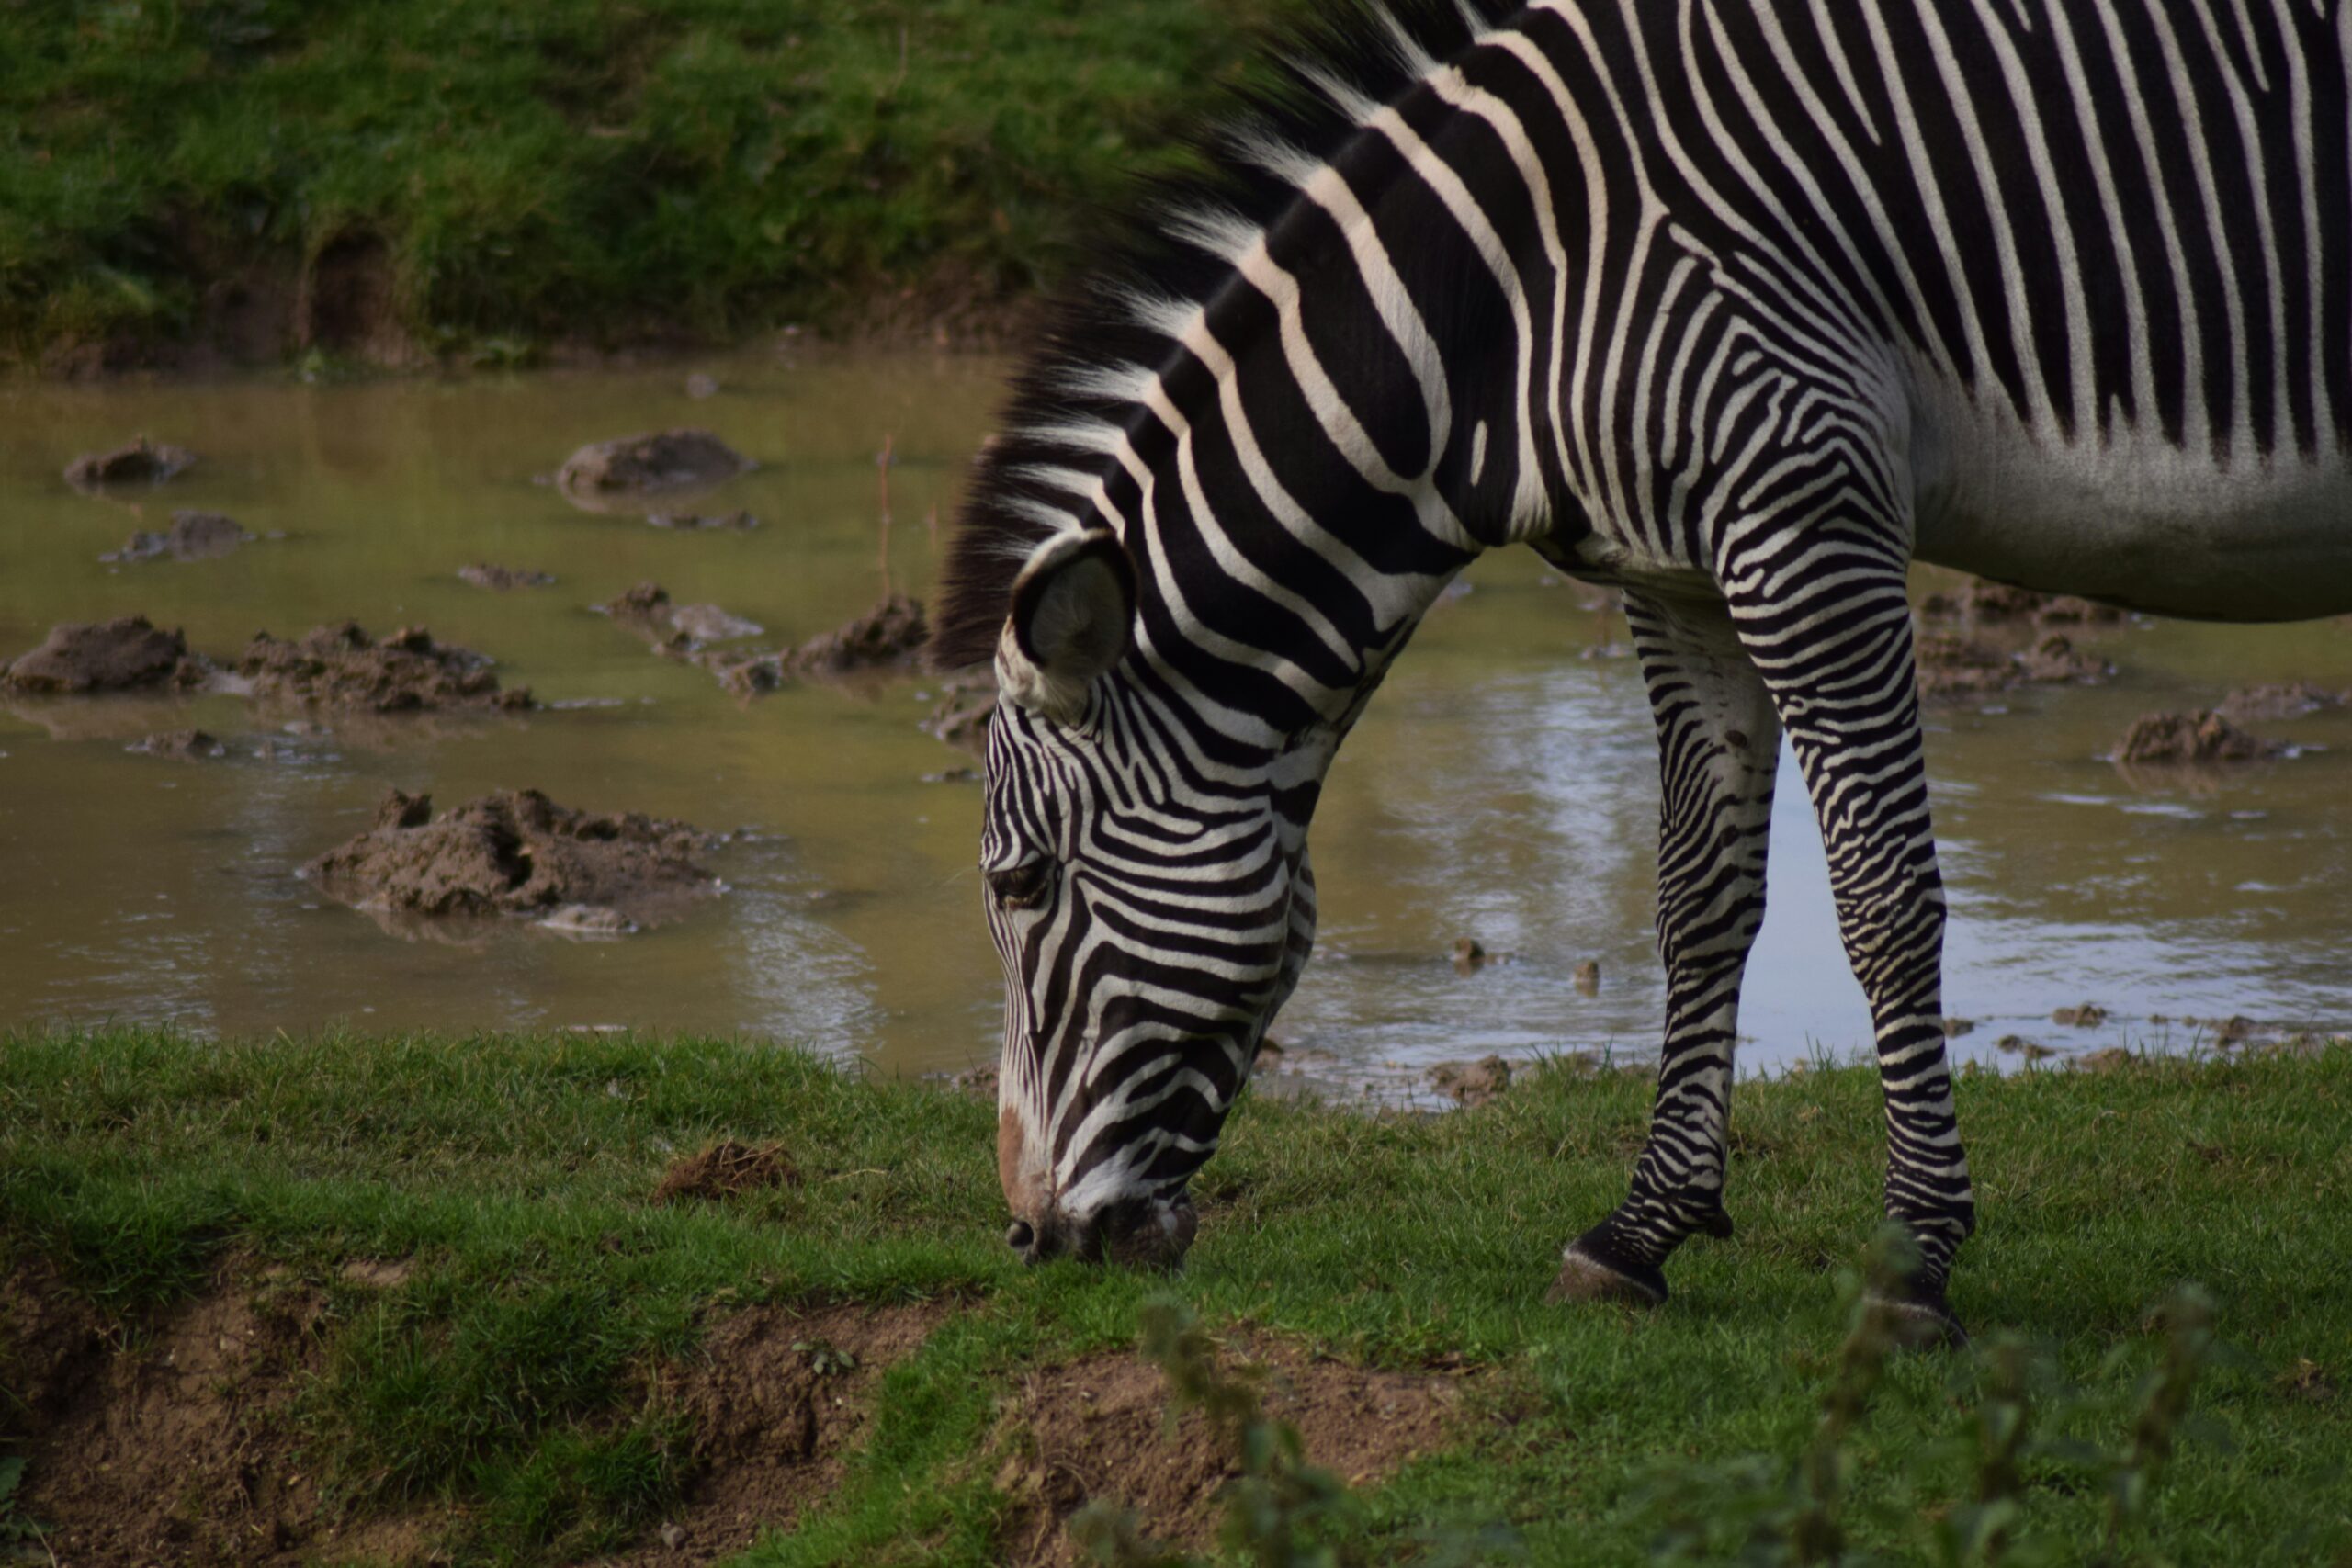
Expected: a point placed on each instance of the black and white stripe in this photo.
(1739, 305)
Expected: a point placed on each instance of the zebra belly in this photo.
(2132, 520)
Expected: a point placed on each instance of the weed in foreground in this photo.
(1760, 1509)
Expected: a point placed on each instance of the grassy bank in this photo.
(464, 178)
(492, 1307)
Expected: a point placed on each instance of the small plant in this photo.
(824, 1359)
(16, 1529)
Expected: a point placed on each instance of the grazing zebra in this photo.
(1739, 305)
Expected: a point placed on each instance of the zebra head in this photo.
(1147, 911)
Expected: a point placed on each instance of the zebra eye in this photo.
(1021, 886)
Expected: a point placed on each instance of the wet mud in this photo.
(681, 631)
(606, 473)
(1951, 665)
(504, 579)
(517, 853)
(343, 667)
(128, 654)
(700, 521)
(1471, 1084)
(2294, 699)
(193, 535)
(1983, 604)
(143, 462)
(961, 714)
(181, 745)
(889, 637)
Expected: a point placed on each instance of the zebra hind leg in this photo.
(1719, 741)
(1834, 642)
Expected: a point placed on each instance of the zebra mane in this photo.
(1108, 335)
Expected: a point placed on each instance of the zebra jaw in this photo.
(1137, 1232)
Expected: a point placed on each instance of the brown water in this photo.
(1501, 787)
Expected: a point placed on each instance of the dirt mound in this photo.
(143, 462)
(193, 535)
(179, 1444)
(518, 853)
(125, 655)
(1471, 1083)
(2252, 704)
(342, 666)
(727, 1170)
(962, 715)
(1098, 1428)
(504, 579)
(2163, 737)
(645, 465)
(776, 1399)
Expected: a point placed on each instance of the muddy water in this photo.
(1500, 789)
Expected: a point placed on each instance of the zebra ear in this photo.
(1073, 613)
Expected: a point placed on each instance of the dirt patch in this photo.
(125, 655)
(727, 1170)
(2090, 1015)
(181, 745)
(143, 462)
(518, 853)
(2294, 699)
(179, 1444)
(776, 1399)
(504, 579)
(342, 666)
(348, 304)
(2194, 738)
(605, 471)
(193, 535)
(1098, 1428)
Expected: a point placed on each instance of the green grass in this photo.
(506, 1375)
(540, 169)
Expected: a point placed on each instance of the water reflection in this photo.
(1501, 788)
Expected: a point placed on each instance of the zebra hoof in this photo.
(1920, 1322)
(1585, 1278)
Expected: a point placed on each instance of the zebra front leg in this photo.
(1833, 644)
(1719, 740)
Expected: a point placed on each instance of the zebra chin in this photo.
(1136, 1233)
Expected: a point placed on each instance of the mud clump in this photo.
(682, 631)
(1471, 1084)
(517, 853)
(2294, 699)
(702, 522)
(645, 465)
(2018, 1045)
(889, 635)
(1997, 604)
(181, 745)
(125, 655)
(342, 666)
(2196, 738)
(504, 579)
(2090, 1015)
(727, 1170)
(143, 462)
(1951, 665)
(193, 535)
(962, 715)
(1098, 1429)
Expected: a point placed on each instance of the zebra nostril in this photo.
(1019, 1237)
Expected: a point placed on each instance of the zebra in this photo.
(1739, 307)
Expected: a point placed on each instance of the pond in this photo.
(1501, 789)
